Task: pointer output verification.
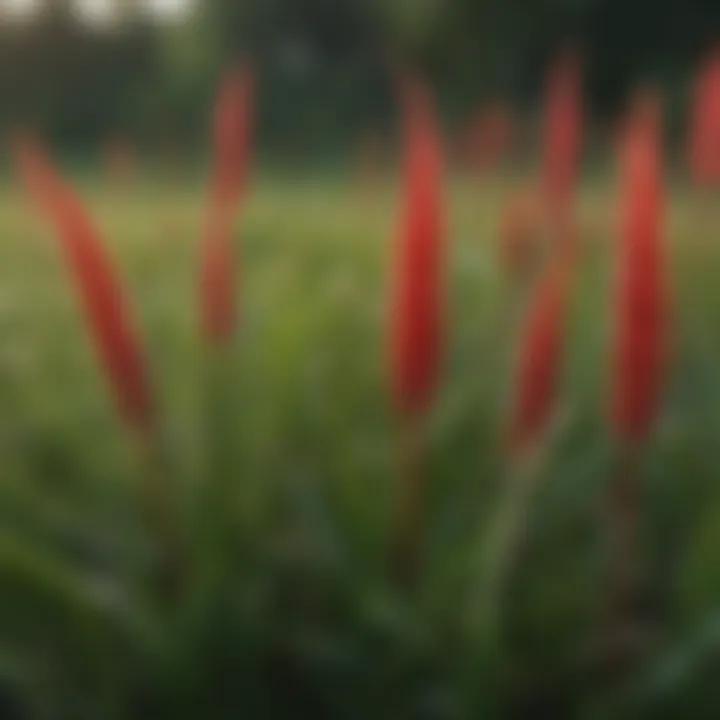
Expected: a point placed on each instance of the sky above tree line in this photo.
(97, 12)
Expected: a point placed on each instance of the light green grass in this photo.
(313, 447)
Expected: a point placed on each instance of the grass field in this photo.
(306, 624)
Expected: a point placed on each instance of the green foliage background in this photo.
(324, 65)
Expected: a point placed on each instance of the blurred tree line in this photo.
(323, 64)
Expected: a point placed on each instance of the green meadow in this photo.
(298, 616)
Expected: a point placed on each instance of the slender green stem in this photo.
(410, 505)
(162, 514)
(217, 501)
(623, 582)
(498, 551)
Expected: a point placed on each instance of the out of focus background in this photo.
(86, 69)
(270, 485)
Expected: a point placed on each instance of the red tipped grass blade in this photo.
(638, 367)
(230, 159)
(30, 166)
(101, 291)
(120, 163)
(104, 301)
(540, 357)
(416, 312)
(490, 137)
(232, 128)
(539, 364)
(415, 321)
(216, 502)
(562, 134)
(520, 232)
(641, 292)
(704, 132)
(218, 285)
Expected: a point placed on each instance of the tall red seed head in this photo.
(563, 128)
(232, 130)
(416, 313)
(101, 291)
(490, 137)
(520, 230)
(641, 292)
(540, 354)
(230, 159)
(704, 132)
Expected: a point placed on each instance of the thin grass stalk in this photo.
(499, 549)
(411, 505)
(622, 638)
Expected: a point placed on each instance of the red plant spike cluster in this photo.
(231, 148)
(416, 313)
(519, 233)
(641, 291)
(562, 134)
(100, 289)
(490, 137)
(541, 347)
(704, 135)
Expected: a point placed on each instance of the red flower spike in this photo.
(231, 148)
(101, 291)
(218, 285)
(562, 134)
(704, 132)
(519, 234)
(490, 137)
(541, 347)
(416, 314)
(232, 122)
(641, 290)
